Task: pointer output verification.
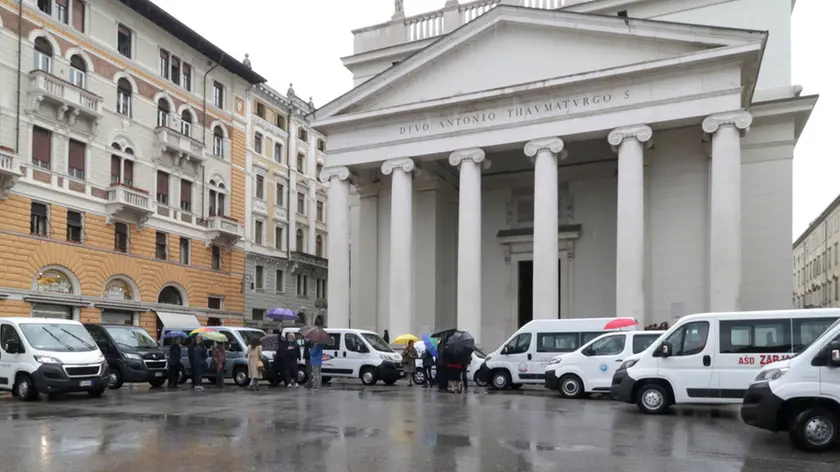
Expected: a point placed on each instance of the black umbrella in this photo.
(460, 342)
(444, 333)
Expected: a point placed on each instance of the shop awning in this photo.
(178, 320)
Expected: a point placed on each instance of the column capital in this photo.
(554, 145)
(403, 163)
(740, 119)
(338, 172)
(472, 154)
(641, 133)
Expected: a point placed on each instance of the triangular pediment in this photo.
(511, 46)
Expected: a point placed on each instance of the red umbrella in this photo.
(619, 323)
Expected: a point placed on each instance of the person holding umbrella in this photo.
(318, 337)
(199, 357)
(174, 357)
(291, 356)
(409, 358)
(219, 362)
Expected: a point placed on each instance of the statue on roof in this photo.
(247, 61)
(398, 9)
(291, 91)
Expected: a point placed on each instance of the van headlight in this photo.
(628, 363)
(770, 374)
(555, 361)
(47, 360)
(130, 355)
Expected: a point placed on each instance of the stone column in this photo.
(470, 162)
(401, 269)
(546, 298)
(338, 246)
(629, 143)
(725, 215)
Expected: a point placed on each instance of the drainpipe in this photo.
(204, 129)
(19, 54)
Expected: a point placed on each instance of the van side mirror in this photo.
(505, 350)
(834, 358)
(13, 347)
(664, 350)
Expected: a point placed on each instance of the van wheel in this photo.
(301, 377)
(368, 376)
(182, 376)
(653, 399)
(479, 381)
(115, 379)
(419, 377)
(97, 392)
(500, 379)
(325, 380)
(157, 382)
(240, 376)
(814, 430)
(571, 386)
(25, 388)
(390, 381)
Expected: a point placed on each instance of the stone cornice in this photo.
(553, 145)
(740, 119)
(641, 133)
(404, 163)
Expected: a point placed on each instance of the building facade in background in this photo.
(286, 206)
(122, 166)
(816, 261)
(523, 159)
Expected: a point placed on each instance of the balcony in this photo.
(270, 128)
(69, 100)
(128, 204)
(223, 231)
(297, 258)
(182, 148)
(9, 171)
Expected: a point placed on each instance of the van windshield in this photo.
(250, 335)
(799, 349)
(58, 337)
(378, 343)
(135, 338)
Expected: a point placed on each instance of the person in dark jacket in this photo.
(441, 377)
(290, 359)
(218, 354)
(174, 362)
(307, 349)
(386, 337)
(280, 360)
(199, 357)
(466, 358)
(428, 363)
(190, 354)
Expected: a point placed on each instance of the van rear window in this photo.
(762, 336)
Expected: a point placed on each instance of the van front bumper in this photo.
(388, 370)
(761, 407)
(136, 371)
(551, 380)
(622, 386)
(51, 378)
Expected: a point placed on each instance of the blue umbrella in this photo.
(430, 345)
(176, 334)
(281, 314)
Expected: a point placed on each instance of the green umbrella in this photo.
(213, 336)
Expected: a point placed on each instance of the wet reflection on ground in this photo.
(378, 429)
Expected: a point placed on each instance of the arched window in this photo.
(124, 92)
(217, 198)
(78, 71)
(319, 321)
(299, 240)
(218, 142)
(301, 317)
(163, 113)
(319, 246)
(118, 289)
(170, 296)
(186, 123)
(53, 281)
(43, 55)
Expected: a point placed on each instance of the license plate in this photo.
(158, 374)
(85, 383)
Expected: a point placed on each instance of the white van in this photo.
(358, 354)
(590, 369)
(525, 355)
(800, 395)
(41, 355)
(711, 358)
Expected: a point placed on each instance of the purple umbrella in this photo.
(281, 314)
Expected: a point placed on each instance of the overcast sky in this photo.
(302, 41)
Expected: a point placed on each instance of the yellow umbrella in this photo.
(405, 338)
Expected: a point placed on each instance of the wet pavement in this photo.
(352, 428)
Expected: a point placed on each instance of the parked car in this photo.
(132, 355)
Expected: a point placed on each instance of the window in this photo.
(257, 314)
(302, 282)
(557, 342)
(214, 303)
(322, 146)
(319, 168)
(319, 246)
(279, 192)
(76, 159)
(185, 251)
(186, 195)
(279, 281)
(319, 211)
(278, 238)
(520, 344)
(643, 341)
(836, 290)
(299, 240)
(170, 296)
(78, 71)
(128, 173)
(124, 91)
(303, 134)
(258, 143)
(259, 277)
(301, 203)
(300, 160)
(45, 6)
(116, 169)
(118, 289)
(689, 339)
(835, 254)
(186, 123)
(278, 153)
(218, 95)
(608, 346)
(121, 237)
(217, 258)
(61, 11)
(74, 226)
(163, 113)
(79, 15)
(280, 121)
(8, 334)
(43, 55)
(186, 76)
(260, 188)
(175, 70)
(218, 142)
(261, 110)
(163, 187)
(164, 64)
(828, 258)
(124, 40)
(41, 147)
(161, 240)
(258, 232)
(320, 288)
(217, 202)
(806, 330)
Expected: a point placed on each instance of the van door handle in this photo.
(344, 354)
(707, 360)
(529, 357)
(619, 360)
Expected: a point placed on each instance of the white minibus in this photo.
(711, 358)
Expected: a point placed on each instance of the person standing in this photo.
(386, 337)
(198, 360)
(255, 363)
(307, 349)
(219, 362)
(174, 362)
(290, 359)
(190, 354)
(315, 358)
(409, 359)
(428, 363)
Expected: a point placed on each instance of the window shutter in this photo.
(115, 169)
(77, 155)
(41, 146)
(186, 191)
(163, 183)
(128, 171)
(39, 209)
(79, 15)
(74, 218)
